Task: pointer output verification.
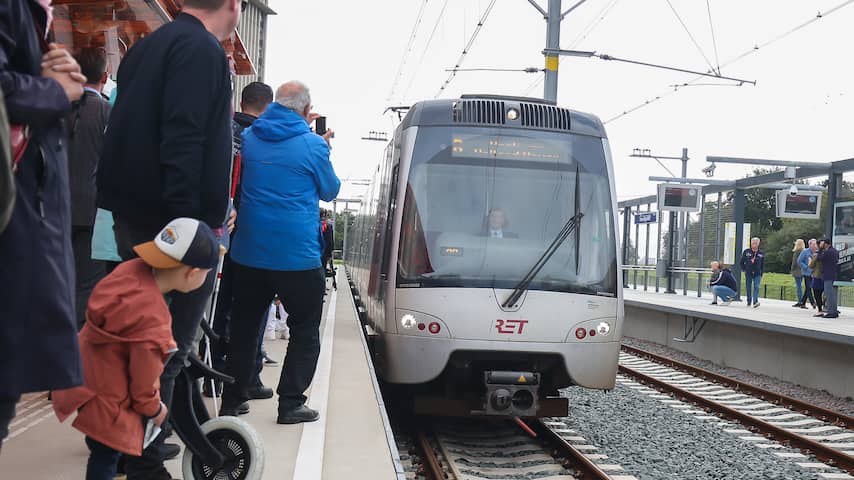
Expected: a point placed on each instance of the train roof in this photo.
(503, 111)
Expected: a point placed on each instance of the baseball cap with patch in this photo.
(184, 241)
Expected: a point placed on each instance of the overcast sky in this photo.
(350, 52)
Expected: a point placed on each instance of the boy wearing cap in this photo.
(126, 340)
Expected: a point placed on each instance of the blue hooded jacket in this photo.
(286, 172)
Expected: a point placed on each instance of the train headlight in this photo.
(408, 321)
(512, 114)
(604, 328)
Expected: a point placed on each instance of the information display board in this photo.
(800, 205)
(679, 198)
(843, 238)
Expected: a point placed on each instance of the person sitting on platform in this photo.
(722, 283)
(127, 339)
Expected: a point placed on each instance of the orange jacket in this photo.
(124, 344)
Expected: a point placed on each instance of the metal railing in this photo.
(694, 277)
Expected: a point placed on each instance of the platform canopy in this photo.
(95, 23)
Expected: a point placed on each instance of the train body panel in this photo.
(487, 241)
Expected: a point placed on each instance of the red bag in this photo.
(19, 135)
(20, 138)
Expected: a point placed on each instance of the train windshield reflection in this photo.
(483, 204)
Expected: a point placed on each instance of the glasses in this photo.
(243, 5)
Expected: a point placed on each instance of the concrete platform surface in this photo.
(350, 441)
(774, 315)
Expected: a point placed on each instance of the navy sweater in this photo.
(167, 151)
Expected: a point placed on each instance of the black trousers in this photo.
(187, 310)
(103, 461)
(222, 320)
(7, 414)
(301, 293)
(89, 271)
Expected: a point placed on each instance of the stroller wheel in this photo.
(239, 443)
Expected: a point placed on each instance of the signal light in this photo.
(434, 328)
(580, 333)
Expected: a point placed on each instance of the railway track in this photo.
(824, 434)
(476, 450)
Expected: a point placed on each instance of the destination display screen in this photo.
(506, 147)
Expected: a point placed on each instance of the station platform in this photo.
(775, 339)
(352, 439)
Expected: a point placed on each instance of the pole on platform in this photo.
(627, 217)
(346, 227)
(671, 248)
(552, 43)
(738, 206)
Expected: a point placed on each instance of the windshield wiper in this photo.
(570, 226)
(523, 285)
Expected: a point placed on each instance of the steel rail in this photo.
(573, 457)
(432, 467)
(829, 416)
(820, 451)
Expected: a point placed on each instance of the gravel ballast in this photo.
(652, 440)
(806, 394)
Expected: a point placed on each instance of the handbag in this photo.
(19, 135)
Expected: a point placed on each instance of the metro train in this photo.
(483, 257)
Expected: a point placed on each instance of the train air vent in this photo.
(545, 116)
(490, 112)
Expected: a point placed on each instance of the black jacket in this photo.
(85, 124)
(724, 278)
(750, 266)
(239, 123)
(38, 331)
(167, 151)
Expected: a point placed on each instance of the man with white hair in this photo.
(277, 247)
(753, 264)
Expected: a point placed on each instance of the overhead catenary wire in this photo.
(407, 50)
(735, 59)
(714, 39)
(426, 48)
(468, 46)
(691, 36)
(597, 20)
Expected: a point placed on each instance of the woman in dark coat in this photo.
(38, 334)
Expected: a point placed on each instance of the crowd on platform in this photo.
(114, 217)
(814, 269)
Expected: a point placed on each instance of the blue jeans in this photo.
(103, 461)
(725, 293)
(799, 288)
(807, 296)
(752, 288)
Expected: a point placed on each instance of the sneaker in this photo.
(241, 409)
(260, 392)
(819, 314)
(713, 303)
(756, 305)
(797, 305)
(298, 415)
(726, 303)
(268, 360)
(804, 306)
(832, 315)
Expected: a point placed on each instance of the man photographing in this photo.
(277, 247)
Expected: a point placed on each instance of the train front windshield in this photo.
(483, 205)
